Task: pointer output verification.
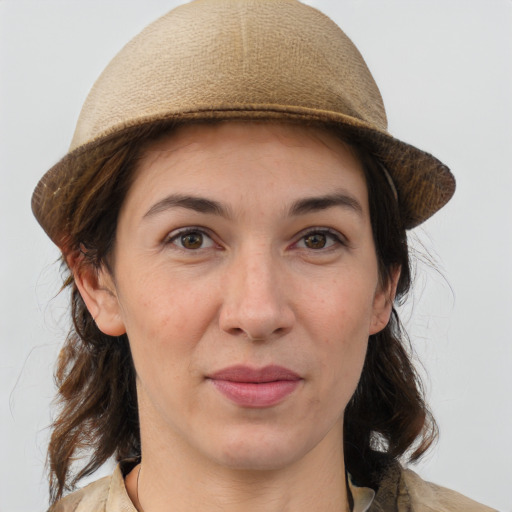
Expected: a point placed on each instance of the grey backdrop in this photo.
(444, 69)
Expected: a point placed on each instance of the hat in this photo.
(244, 59)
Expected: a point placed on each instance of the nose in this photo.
(255, 299)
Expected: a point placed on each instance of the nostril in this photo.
(255, 336)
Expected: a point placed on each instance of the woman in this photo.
(233, 215)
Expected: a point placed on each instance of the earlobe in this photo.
(99, 294)
(383, 303)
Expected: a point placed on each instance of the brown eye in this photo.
(192, 240)
(315, 240)
(319, 239)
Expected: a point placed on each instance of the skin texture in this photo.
(257, 283)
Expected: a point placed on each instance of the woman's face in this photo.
(245, 276)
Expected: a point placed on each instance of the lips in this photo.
(255, 387)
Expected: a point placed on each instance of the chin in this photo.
(261, 449)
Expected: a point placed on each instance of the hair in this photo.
(386, 419)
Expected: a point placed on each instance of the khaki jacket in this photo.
(401, 490)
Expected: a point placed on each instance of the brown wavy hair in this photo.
(386, 419)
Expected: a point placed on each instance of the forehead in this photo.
(254, 152)
(254, 172)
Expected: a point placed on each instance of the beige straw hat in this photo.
(245, 59)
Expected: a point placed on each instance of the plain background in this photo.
(444, 68)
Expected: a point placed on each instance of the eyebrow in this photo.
(197, 204)
(300, 207)
(315, 204)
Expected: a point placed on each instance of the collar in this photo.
(363, 496)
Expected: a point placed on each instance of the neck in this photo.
(171, 479)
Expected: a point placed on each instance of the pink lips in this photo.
(250, 387)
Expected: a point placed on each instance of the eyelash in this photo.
(338, 239)
(175, 235)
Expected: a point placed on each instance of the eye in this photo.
(319, 239)
(190, 239)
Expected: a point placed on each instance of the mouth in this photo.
(255, 387)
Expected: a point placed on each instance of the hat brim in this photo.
(423, 183)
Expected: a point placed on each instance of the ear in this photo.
(383, 302)
(98, 291)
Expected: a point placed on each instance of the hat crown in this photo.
(232, 54)
(272, 60)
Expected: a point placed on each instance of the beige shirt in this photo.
(402, 491)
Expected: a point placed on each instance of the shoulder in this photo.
(105, 495)
(402, 490)
(92, 497)
(428, 497)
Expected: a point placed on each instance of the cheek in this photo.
(165, 320)
(339, 316)
(341, 307)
